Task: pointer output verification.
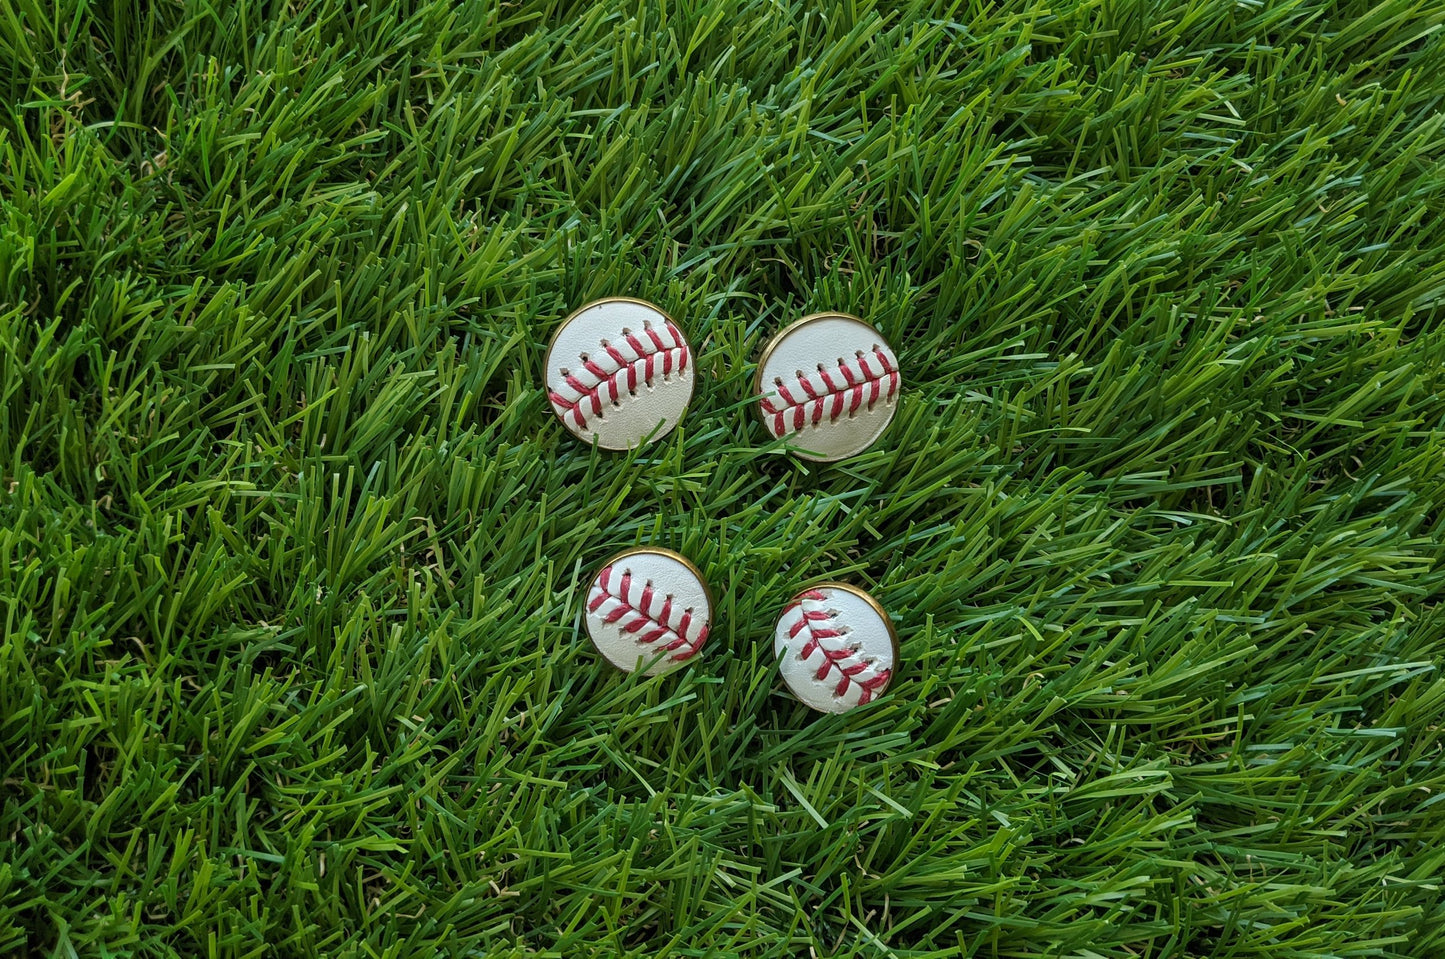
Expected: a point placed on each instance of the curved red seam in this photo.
(798, 407)
(831, 657)
(662, 629)
(593, 396)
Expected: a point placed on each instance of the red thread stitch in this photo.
(841, 658)
(650, 354)
(658, 626)
(858, 379)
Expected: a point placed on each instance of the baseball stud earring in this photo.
(836, 647)
(619, 372)
(649, 609)
(827, 384)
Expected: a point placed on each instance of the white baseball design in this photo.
(829, 383)
(835, 648)
(648, 608)
(617, 371)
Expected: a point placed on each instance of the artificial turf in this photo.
(293, 551)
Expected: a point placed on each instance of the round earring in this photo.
(649, 609)
(836, 647)
(619, 373)
(828, 384)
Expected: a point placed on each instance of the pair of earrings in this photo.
(650, 610)
(620, 373)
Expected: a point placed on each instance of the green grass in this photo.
(292, 550)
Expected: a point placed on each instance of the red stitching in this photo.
(608, 382)
(844, 659)
(851, 392)
(659, 623)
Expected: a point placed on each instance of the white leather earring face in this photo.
(648, 609)
(836, 647)
(828, 384)
(620, 373)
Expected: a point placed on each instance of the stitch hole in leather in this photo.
(626, 331)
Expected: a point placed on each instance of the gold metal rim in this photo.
(552, 343)
(670, 554)
(877, 608)
(767, 352)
